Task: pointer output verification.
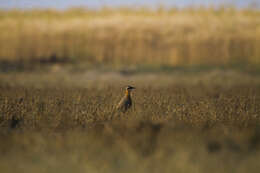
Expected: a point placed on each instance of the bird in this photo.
(126, 102)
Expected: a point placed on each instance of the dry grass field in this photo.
(196, 107)
(170, 129)
(128, 36)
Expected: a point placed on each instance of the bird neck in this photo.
(127, 93)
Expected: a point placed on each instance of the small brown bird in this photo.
(126, 102)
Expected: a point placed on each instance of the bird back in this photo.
(125, 103)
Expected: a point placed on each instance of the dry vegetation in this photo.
(62, 72)
(131, 36)
(174, 128)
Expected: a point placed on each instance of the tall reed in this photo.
(132, 36)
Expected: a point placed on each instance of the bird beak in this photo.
(133, 88)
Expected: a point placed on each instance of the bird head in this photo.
(129, 88)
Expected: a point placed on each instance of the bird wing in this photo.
(121, 103)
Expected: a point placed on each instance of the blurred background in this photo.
(129, 37)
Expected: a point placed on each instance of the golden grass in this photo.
(195, 105)
(123, 36)
(169, 129)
